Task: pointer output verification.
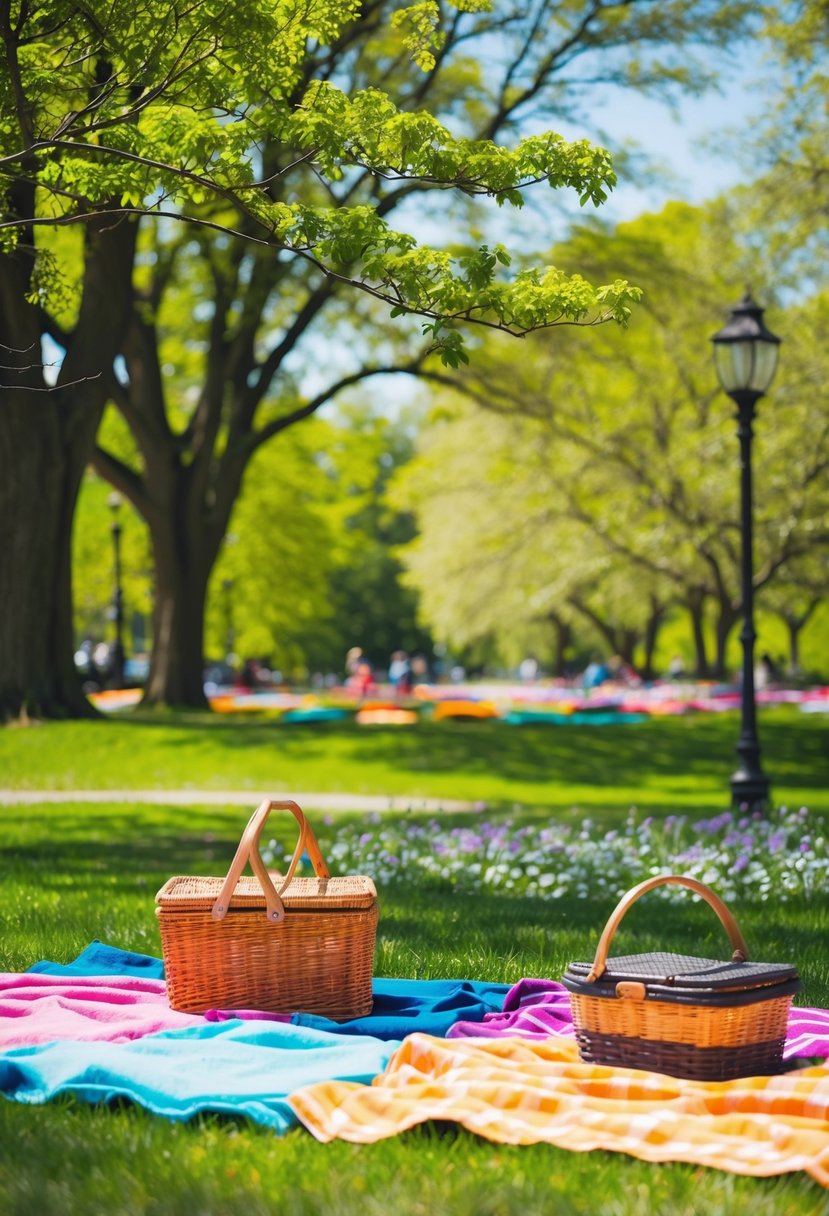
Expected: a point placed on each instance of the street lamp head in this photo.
(745, 351)
(114, 502)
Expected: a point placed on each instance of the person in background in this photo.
(595, 673)
(765, 673)
(676, 667)
(420, 670)
(363, 681)
(358, 674)
(352, 660)
(528, 669)
(400, 673)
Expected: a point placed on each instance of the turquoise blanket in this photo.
(239, 1068)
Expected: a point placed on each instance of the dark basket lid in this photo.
(683, 971)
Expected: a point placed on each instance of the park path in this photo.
(251, 798)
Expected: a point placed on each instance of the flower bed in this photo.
(750, 857)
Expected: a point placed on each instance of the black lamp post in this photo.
(745, 353)
(118, 597)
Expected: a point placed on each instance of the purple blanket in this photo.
(535, 1009)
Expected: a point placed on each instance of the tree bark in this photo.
(46, 437)
(182, 568)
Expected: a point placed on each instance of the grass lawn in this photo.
(662, 765)
(72, 872)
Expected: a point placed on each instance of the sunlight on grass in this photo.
(72, 872)
(663, 765)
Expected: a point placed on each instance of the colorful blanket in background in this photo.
(519, 1091)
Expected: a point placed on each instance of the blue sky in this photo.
(680, 139)
(683, 142)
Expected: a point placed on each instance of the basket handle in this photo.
(728, 922)
(248, 850)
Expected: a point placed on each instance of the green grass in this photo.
(71, 872)
(662, 765)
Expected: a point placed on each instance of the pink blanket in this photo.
(535, 1009)
(39, 1008)
(36, 1008)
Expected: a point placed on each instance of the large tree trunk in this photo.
(176, 667)
(795, 623)
(46, 436)
(37, 493)
(186, 540)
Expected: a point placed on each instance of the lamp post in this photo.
(117, 677)
(745, 354)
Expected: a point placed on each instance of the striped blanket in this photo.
(522, 1091)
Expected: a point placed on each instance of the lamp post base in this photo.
(750, 791)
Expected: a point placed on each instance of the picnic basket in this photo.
(697, 1018)
(238, 942)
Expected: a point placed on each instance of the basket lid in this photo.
(682, 971)
(190, 893)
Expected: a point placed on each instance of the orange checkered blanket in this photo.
(518, 1091)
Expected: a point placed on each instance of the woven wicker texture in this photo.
(653, 1011)
(238, 943)
(681, 1060)
(311, 893)
(702, 1025)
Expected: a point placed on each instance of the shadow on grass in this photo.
(794, 747)
(427, 927)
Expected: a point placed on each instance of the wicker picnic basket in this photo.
(239, 943)
(671, 1013)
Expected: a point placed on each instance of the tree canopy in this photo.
(241, 165)
(605, 486)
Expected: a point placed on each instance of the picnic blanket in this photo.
(238, 1068)
(37, 1008)
(400, 1006)
(532, 1008)
(509, 1069)
(521, 1091)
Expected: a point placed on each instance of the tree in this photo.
(499, 559)
(786, 151)
(271, 137)
(308, 551)
(629, 454)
